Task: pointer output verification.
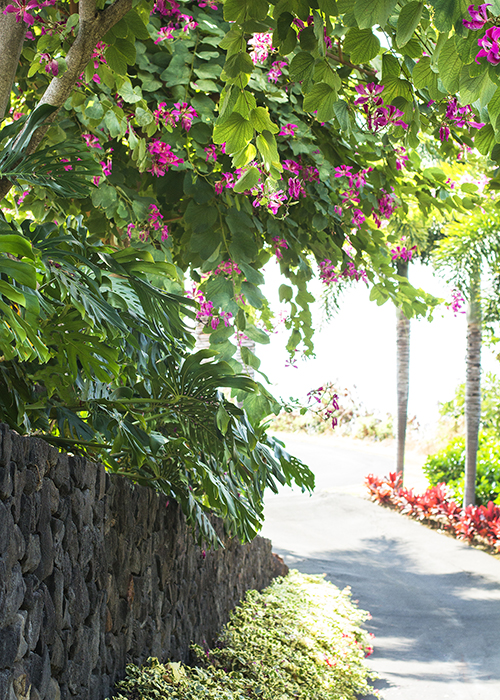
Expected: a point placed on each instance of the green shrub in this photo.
(448, 466)
(299, 639)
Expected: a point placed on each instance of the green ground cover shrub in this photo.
(300, 638)
(448, 466)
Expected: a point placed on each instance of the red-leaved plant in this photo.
(472, 523)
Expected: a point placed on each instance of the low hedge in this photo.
(299, 639)
(448, 467)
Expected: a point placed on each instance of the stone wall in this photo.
(96, 572)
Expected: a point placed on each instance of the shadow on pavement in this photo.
(430, 623)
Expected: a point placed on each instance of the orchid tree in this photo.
(215, 137)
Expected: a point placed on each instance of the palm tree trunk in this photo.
(403, 375)
(472, 386)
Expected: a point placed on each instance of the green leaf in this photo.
(371, 12)
(361, 44)
(235, 131)
(93, 108)
(115, 60)
(112, 124)
(241, 10)
(256, 334)
(285, 293)
(248, 180)
(321, 98)
(448, 12)
(126, 49)
(484, 140)
(136, 25)
(22, 272)
(200, 217)
(390, 67)
(476, 87)
(301, 66)
(260, 120)
(449, 65)
(16, 245)
(341, 110)
(11, 293)
(396, 87)
(494, 106)
(408, 21)
(130, 94)
(238, 63)
(267, 147)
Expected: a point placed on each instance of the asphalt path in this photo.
(435, 601)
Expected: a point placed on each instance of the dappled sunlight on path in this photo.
(435, 601)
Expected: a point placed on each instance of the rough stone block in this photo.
(13, 646)
(61, 474)
(32, 556)
(6, 482)
(14, 595)
(53, 691)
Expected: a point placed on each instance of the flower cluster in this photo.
(328, 403)
(107, 167)
(279, 243)
(310, 21)
(226, 182)
(329, 274)
(462, 117)
(457, 302)
(475, 523)
(489, 42)
(271, 199)
(350, 197)
(386, 206)
(181, 112)
(207, 314)
(171, 10)
(403, 253)
(227, 268)
(377, 116)
(51, 65)
(162, 157)
(276, 71)
(401, 157)
(262, 45)
(154, 223)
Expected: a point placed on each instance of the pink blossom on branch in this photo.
(478, 17)
(91, 141)
(262, 44)
(162, 158)
(22, 11)
(288, 130)
(275, 73)
(489, 46)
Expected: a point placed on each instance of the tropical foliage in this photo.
(299, 638)
(188, 143)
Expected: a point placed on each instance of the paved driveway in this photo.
(435, 601)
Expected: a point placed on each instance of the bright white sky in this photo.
(358, 348)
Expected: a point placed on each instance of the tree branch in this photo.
(12, 35)
(93, 25)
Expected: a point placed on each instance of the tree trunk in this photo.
(472, 386)
(403, 375)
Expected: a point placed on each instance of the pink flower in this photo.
(189, 23)
(23, 197)
(21, 10)
(489, 46)
(91, 141)
(369, 93)
(262, 44)
(66, 167)
(384, 116)
(164, 33)
(479, 17)
(292, 166)
(342, 170)
(184, 114)
(295, 188)
(162, 114)
(338, 210)
(209, 4)
(275, 200)
(444, 132)
(401, 157)
(357, 217)
(51, 65)
(211, 152)
(227, 268)
(162, 158)
(279, 243)
(167, 8)
(327, 272)
(96, 78)
(403, 253)
(288, 130)
(275, 72)
(107, 166)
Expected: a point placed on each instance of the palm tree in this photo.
(471, 250)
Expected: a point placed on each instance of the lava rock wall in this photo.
(96, 572)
